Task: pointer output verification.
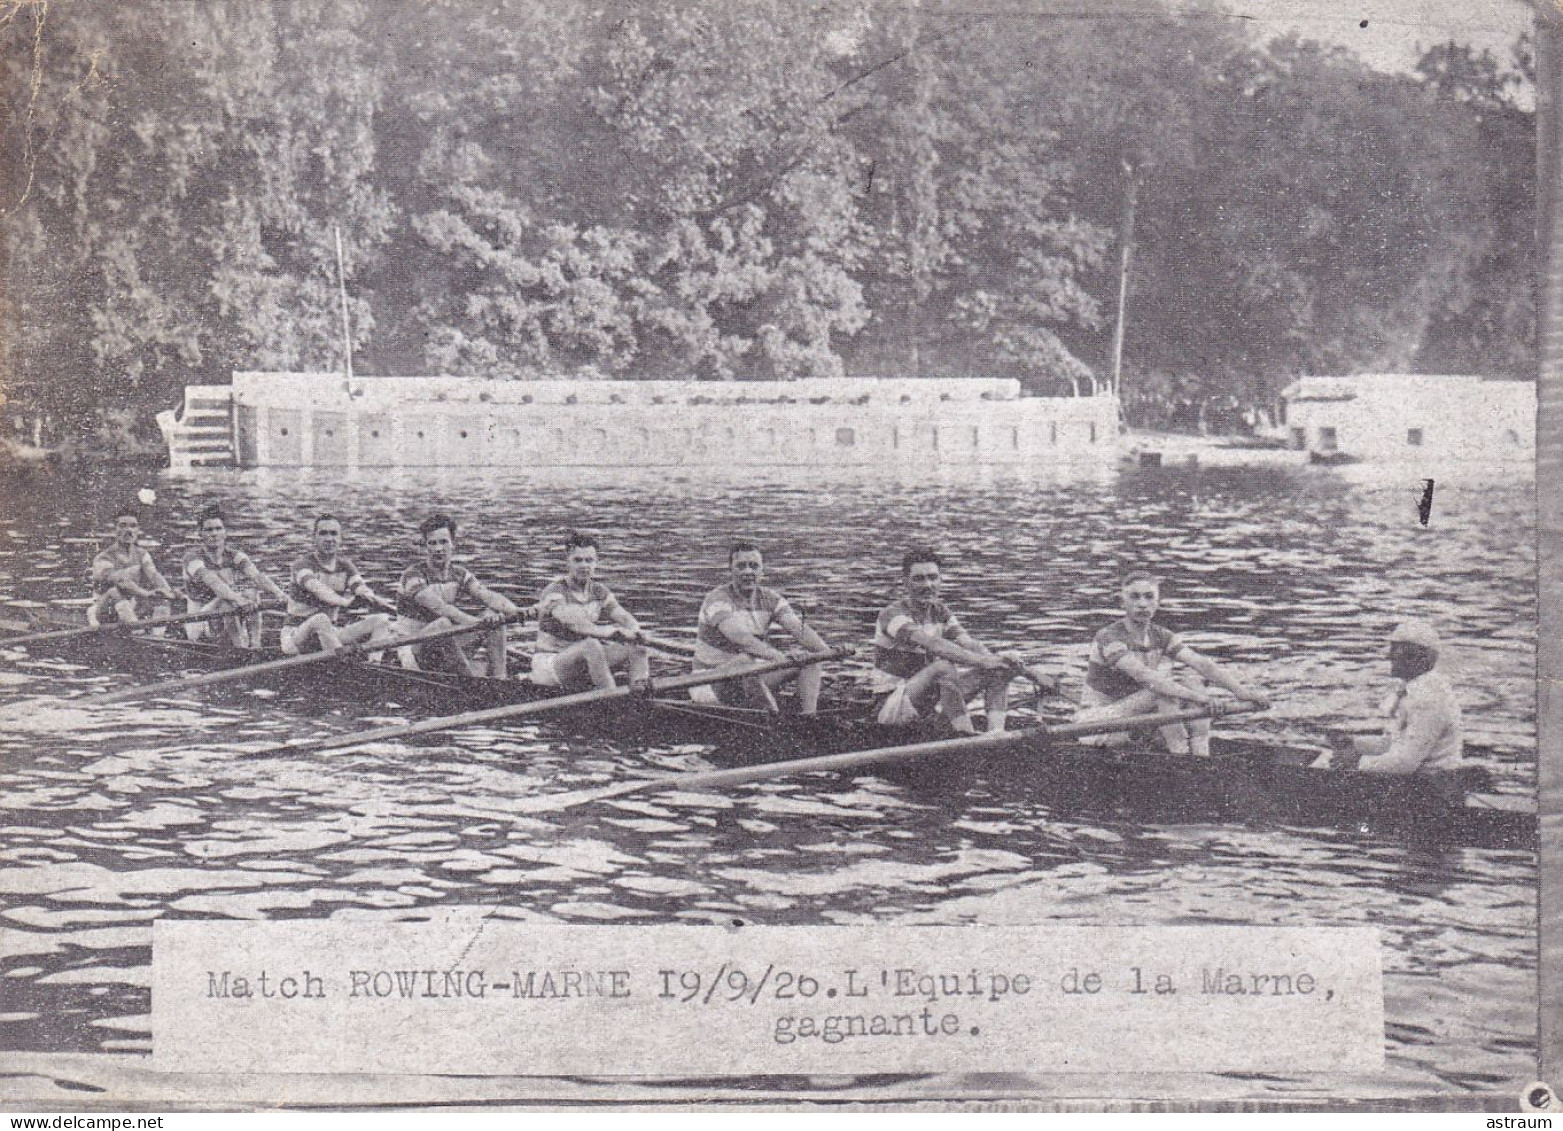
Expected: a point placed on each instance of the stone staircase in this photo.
(201, 434)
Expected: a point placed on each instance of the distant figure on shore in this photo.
(1423, 732)
(1126, 674)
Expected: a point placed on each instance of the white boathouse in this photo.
(1401, 417)
(327, 420)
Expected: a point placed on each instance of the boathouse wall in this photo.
(1394, 417)
(324, 420)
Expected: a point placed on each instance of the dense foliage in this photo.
(770, 189)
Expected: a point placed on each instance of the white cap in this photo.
(1418, 632)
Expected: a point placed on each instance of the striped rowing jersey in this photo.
(230, 565)
(449, 585)
(761, 609)
(1154, 648)
(553, 635)
(895, 655)
(114, 560)
(341, 578)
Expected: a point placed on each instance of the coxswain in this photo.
(1423, 733)
(212, 578)
(731, 632)
(426, 601)
(323, 584)
(583, 634)
(925, 660)
(1128, 673)
(126, 583)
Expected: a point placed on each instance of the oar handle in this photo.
(520, 616)
(671, 647)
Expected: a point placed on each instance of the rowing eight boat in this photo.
(1246, 779)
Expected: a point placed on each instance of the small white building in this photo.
(1412, 417)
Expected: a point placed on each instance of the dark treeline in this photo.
(770, 189)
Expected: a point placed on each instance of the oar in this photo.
(671, 647)
(966, 744)
(539, 706)
(209, 678)
(112, 627)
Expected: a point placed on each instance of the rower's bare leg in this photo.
(995, 698)
(584, 664)
(1175, 735)
(810, 677)
(450, 650)
(1198, 730)
(249, 630)
(632, 656)
(809, 680)
(296, 642)
(498, 660)
(161, 611)
(760, 690)
(197, 631)
(374, 628)
(408, 653)
(952, 694)
(126, 611)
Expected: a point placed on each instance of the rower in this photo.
(212, 573)
(734, 622)
(924, 659)
(583, 634)
(322, 584)
(125, 579)
(426, 601)
(1126, 674)
(1423, 732)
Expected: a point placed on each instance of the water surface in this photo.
(1293, 576)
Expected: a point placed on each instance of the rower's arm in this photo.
(955, 652)
(325, 593)
(800, 631)
(262, 579)
(1159, 682)
(152, 574)
(492, 601)
(128, 578)
(1215, 673)
(362, 590)
(214, 581)
(429, 599)
(742, 635)
(577, 619)
(621, 616)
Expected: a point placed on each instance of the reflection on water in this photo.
(131, 814)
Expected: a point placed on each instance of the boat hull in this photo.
(1252, 782)
(1256, 784)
